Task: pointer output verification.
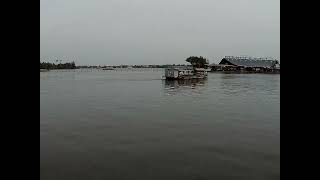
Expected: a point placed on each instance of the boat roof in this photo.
(181, 68)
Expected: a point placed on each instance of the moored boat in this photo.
(185, 73)
(198, 70)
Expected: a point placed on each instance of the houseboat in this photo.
(185, 73)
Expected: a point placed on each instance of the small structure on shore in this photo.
(198, 70)
(247, 64)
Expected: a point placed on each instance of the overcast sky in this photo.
(112, 32)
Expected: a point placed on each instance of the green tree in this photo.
(199, 62)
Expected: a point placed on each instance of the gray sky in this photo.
(107, 32)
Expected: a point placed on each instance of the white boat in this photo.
(185, 73)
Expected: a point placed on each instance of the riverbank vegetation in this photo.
(199, 62)
(47, 65)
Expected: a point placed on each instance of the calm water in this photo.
(133, 125)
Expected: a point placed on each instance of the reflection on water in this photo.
(184, 83)
(233, 84)
(184, 87)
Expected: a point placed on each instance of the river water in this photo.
(130, 124)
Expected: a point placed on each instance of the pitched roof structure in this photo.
(249, 62)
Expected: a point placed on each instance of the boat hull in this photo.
(186, 77)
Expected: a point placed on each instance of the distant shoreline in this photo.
(243, 72)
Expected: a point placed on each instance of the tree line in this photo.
(68, 65)
(135, 66)
(199, 62)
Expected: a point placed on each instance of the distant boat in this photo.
(107, 69)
